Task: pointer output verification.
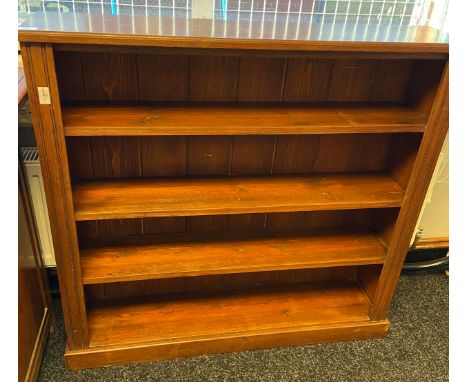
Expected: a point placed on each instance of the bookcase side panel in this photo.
(40, 73)
(419, 180)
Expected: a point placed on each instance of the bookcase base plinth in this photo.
(145, 352)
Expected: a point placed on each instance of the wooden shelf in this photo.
(234, 314)
(232, 120)
(116, 199)
(196, 254)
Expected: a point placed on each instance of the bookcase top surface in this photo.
(295, 34)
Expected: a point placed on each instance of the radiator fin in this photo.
(30, 155)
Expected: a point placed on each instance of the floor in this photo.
(416, 350)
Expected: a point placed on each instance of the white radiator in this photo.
(36, 188)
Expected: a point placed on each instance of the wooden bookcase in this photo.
(213, 194)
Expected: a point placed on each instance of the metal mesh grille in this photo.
(377, 12)
(394, 12)
(338, 11)
(174, 8)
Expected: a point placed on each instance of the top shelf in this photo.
(239, 120)
(246, 32)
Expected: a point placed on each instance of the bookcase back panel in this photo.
(115, 229)
(135, 230)
(145, 77)
(215, 283)
(123, 157)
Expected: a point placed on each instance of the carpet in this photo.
(416, 350)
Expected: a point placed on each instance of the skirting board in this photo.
(431, 243)
(151, 351)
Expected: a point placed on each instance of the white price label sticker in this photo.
(44, 95)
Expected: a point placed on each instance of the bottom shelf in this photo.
(161, 328)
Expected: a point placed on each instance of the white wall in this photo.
(434, 218)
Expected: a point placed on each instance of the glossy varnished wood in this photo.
(115, 355)
(123, 332)
(117, 231)
(39, 69)
(35, 314)
(134, 157)
(218, 78)
(230, 195)
(223, 253)
(215, 283)
(108, 29)
(22, 89)
(418, 183)
(249, 119)
(217, 169)
(222, 314)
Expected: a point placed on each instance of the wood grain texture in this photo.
(431, 243)
(231, 313)
(114, 157)
(34, 302)
(235, 127)
(352, 80)
(353, 152)
(22, 88)
(100, 80)
(248, 119)
(270, 53)
(201, 196)
(213, 78)
(39, 69)
(368, 279)
(195, 255)
(39, 348)
(241, 155)
(164, 225)
(80, 158)
(215, 283)
(163, 78)
(30, 260)
(252, 155)
(330, 220)
(424, 83)
(163, 156)
(70, 76)
(119, 228)
(418, 183)
(281, 35)
(402, 157)
(307, 80)
(261, 79)
(87, 230)
(391, 80)
(290, 155)
(115, 355)
(383, 223)
(246, 221)
(172, 77)
(206, 223)
(319, 220)
(209, 155)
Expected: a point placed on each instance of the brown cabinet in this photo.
(34, 308)
(213, 193)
